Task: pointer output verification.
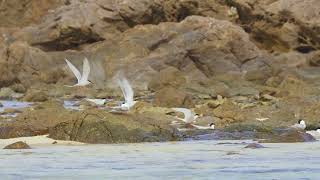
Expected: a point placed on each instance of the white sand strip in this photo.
(36, 140)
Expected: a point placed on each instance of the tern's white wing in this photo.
(201, 127)
(86, 70)
(121, 85)
(188, 116)
(298, 126)
(97, 101)
(314, 133)
(74, 70)
(128, 91)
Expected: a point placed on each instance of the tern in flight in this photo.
(82, 78)
(127, 92)
(189, 116)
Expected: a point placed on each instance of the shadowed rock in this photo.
(254, 146)
(35, 121)
(290, 136)
(18, 145)
(101, 127)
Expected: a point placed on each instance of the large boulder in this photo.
(35, 121)
(171, 97)
(78, 23)
(101, 127)
(18, 145)
(291, 136)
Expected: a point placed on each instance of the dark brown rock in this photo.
(35, 121)
(290, 136)
(18, 145)
(169, 77)
(35, 96)
(254, 146)
(101, 127)
(171, 97)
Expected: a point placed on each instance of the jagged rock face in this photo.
(199, 47)
(263, 56)
(24, 12)
(281, 25)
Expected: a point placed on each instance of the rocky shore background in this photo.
(249, 66)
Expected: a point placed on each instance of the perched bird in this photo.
(127, 92)
(98, 102)
(82, 79)
(300, 125)
(189, 116)
(314, 133)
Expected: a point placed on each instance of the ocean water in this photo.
(171, 160)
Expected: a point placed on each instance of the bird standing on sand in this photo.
(127, 92)
(82, 79)
(300, 125)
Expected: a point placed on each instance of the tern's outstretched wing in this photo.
(128, 91)
(120, 84)
(86, 70)
(97, 101)
(297, 126)
(74, 70)
(201, 127)
(187, 114)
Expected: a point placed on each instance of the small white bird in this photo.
(189, 116)
(262, 119)
(127, 92)
(98, 102)
(314, 133)
(300, 125)
(82, 79)
(210, 126)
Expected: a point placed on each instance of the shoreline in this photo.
(37, 141)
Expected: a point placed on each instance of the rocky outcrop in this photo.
(18, 145)
(281, 25)
(35, 121)
(254, 146)
(248, 65)
(290, 137)
(199, 47)
(104, 128)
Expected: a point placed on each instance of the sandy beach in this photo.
(37, 141)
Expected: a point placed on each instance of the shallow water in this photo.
(179, 160)
(71, 105)
(13, 105)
